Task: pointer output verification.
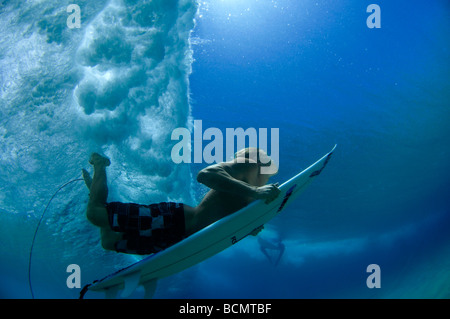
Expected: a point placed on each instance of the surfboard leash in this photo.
(85, 289)
(37, 228)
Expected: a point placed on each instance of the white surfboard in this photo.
(206, 242)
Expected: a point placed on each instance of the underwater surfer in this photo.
(145, 229)
(277, 246)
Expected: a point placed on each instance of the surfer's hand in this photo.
(268, 192)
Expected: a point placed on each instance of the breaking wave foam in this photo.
(118, 85)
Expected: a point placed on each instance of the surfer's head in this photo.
(259, 156)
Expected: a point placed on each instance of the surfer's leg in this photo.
(96, 211)
(281, 248)
(109, 238)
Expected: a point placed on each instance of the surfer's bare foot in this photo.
(87, 178)
(98, 160)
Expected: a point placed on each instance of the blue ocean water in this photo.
(136, 70)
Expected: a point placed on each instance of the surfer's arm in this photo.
(218, 177)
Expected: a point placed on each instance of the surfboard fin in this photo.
(131, 283)
(150, 288)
